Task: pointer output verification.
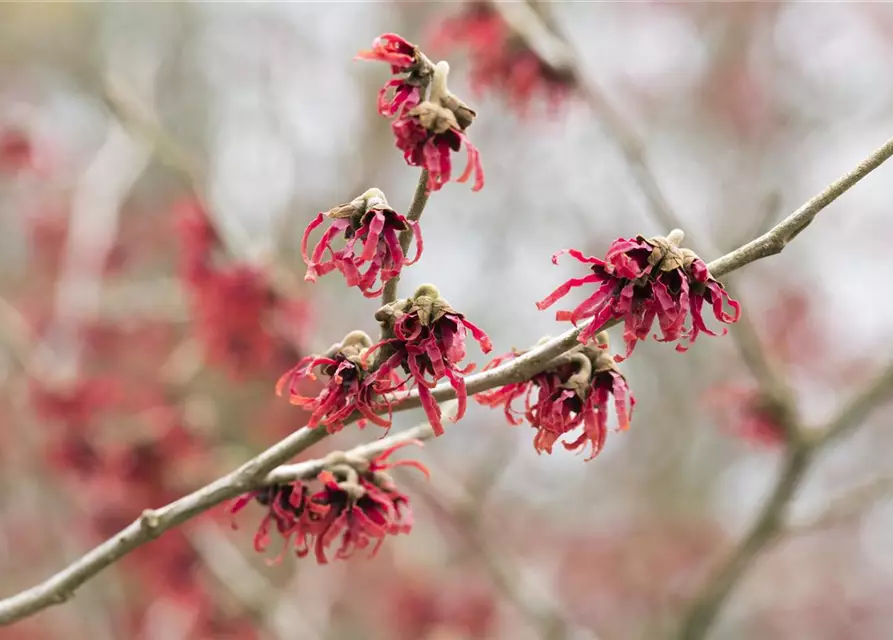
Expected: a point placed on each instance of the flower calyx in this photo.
(361, 208)
(351, 348)
(426, 303)
(352, 474)
(442, 110)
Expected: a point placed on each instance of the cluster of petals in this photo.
(426, 340)
(574, 394)
(407, 63)
(427, 131)
(427, 134)
(356, 504)
(500, 59)
(369, 221)
(349, 388)
(640, 280)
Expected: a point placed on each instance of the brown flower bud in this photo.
(434, 117)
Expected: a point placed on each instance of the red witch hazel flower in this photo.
(427, 131)
(404, 58)
(643, 279)
(425, 336)
(574, 392)
(347, 390)
(370, 220)
(500, 58)
(358, 504)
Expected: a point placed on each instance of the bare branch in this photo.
(60, 587)
(776, 239)
(93, 230)
(706, 606)
(845, 507)
(553, 49)
(770, 524)
(542, 610)
(556, 52)
(304, 470)
(854, 412)
(253, 590)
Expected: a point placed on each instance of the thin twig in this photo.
(142, 124)
(854, 412)
(542, 611)
(702, 614)
(254, 591)
(776, 239)
(842, 508)
(60, 587)
(554, 50)
(632, 148)
(416, 208)
(93, 230)
(309, 469)
(699, 618)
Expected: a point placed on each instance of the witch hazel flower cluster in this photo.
(353, 502)
(353, 505)
(573, 399)
(427, 129)
(369, 220)
(641, 280)
(349, 387)
(569, 401)
(425, 337)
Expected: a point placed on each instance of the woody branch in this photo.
(260, 469)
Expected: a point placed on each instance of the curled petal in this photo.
(478, 334)
(473, 165)
(432, 410)
(458, 383)
(311, 275)
(563, 290)
(578, 255)
(417, 234)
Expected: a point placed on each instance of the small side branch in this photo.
(776, 239)
(770, 524)
(703, 613)
(854, 412)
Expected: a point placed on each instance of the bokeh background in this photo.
(126, 384)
